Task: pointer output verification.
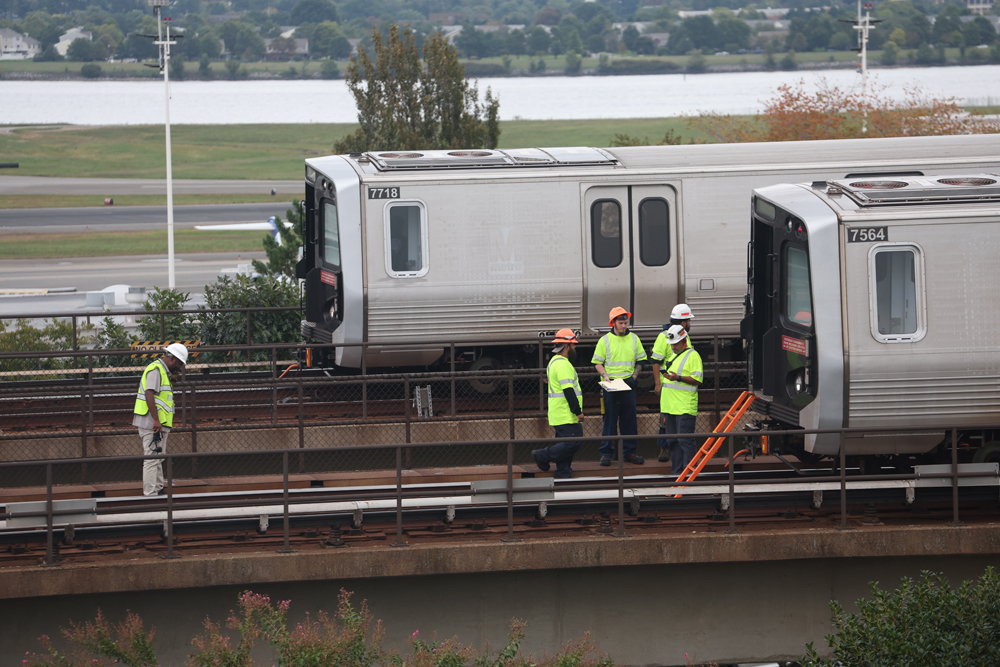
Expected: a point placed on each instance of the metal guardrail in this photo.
(508, 493)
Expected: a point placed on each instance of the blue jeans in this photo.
(619, 414)
(562, 453)
(682, 450)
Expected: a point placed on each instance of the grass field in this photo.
(75, 201)
(255, 151)
(106, 244)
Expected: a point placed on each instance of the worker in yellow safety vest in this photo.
(619, 354)
(683, 372)
(565, 406)
(154, 413)
(682, 315)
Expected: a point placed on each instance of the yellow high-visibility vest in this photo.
(164, 399)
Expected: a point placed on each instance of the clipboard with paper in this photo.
(618, 384)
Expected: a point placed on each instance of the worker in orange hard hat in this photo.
(619, 354)
(565, 406)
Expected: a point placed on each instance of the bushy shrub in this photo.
(176, 326)
(920, 624)
(635, 66)
(266, 327)
(91, 71)
(348, 639)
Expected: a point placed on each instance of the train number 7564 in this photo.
(867, 234)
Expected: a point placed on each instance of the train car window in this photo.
(798, 298)
(331, 235)
(654, 232)
(896, 285)
(406, 240)
(606, 233)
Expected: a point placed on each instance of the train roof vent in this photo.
(967, 181)
(922, 190)
(878, 185)
(476, 158)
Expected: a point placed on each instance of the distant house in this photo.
(659, 38)
(981, 7)
(286, 47)
(15, 46)
(71, 36)
(446, 18)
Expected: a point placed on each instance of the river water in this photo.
(537, 98)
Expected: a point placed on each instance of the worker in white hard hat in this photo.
(154, 413)
(678, 384)
(682, 315)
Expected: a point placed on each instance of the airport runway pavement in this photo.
(131, 218)
(91, 274)
(43, 185)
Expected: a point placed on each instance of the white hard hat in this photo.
(676, 334)
(177, 350)
(681, 312)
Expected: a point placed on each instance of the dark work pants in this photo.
(619, 417)
(682, 450)
(562, 453)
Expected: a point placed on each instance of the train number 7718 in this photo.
(867, 234)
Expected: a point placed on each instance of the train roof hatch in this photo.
(483, 158)
(895, 191)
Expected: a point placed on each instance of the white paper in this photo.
(617, 384)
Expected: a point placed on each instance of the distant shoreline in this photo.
(474, 70)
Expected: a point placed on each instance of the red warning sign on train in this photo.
(796, 345)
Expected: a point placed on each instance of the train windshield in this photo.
(331, 235)
(798, 299)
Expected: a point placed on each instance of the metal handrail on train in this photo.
(509, 489)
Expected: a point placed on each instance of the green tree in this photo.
(890, 52)
(329, 69)
(84, 50)
(177, 67)
(281, 259)
(205, 66)
(696, 63)
(23, 336)
(919, 624)
(176, 326)
(403, 106)
(233, 67)
(266, 327)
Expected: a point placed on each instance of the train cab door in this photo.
(631, 259)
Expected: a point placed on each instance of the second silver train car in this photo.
(427, 246)
(874, 304)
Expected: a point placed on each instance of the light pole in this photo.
(163, 41)
(863, 25)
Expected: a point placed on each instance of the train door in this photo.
(631, 254)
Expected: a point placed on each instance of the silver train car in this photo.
(478, 245)
(874, 303)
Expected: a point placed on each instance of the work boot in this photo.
(664, 456)
(542, 465)
(605, 461)
(634, 458)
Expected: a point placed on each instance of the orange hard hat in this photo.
(615, 313)
(565, 336)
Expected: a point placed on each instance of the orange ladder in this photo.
(711, 446)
